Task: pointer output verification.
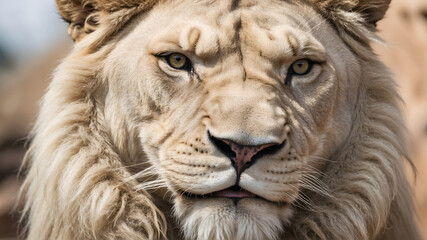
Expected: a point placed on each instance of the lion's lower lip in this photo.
(233, 194)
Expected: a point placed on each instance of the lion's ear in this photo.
(372, 10)
(80, 14)
(84, 16)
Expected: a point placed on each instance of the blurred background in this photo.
(33, 40)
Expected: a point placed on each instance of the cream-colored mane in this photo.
(131, 146)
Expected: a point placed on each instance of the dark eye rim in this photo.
(188, 66)
(291, 72)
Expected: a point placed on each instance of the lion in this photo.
(219, 119)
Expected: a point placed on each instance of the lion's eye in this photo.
(178, 61)
(301, 67)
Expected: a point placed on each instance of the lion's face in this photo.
(237, 108)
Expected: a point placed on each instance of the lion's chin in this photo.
(223, 218)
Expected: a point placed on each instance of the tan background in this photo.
(404, 29)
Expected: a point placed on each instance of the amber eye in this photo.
(301, 67)
(178, 61)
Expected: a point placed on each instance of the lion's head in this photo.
(219, 120)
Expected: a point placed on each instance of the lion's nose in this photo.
(243, 156)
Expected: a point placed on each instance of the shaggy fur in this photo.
(122, 137)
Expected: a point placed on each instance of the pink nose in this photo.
(244, 154)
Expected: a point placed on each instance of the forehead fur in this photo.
(357, 17)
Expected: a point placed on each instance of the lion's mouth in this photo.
(235, 193)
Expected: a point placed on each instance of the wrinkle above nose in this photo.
(247, 120)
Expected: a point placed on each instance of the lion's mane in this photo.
(78, 186)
